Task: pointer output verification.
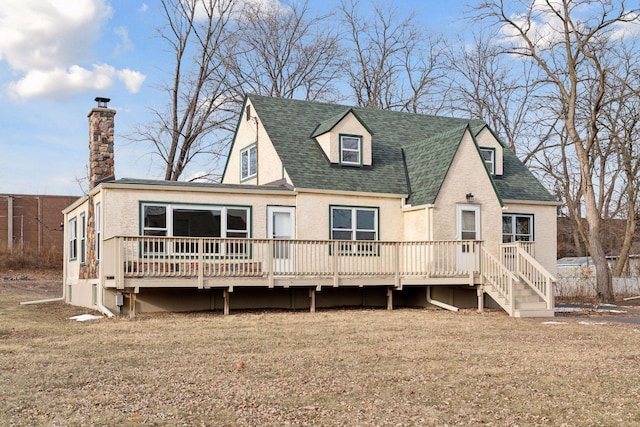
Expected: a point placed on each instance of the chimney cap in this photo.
(102, 102)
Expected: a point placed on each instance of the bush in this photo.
(28, 259)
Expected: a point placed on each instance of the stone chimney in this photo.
(101, 122)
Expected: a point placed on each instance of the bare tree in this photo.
(198, 116)
(484, 85)
(568, 40)
(283, 51)
(391, 64)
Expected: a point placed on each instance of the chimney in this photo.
(101, 122)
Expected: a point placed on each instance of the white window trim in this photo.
(73, 238)
(361, 248)
(351, 150)
(247, 151)
(513, 233)
(459, 210)
(98, 231)
(83, 238)
(169, 208)
(491, 165)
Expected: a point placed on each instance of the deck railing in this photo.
(519, 258)
(500, 278)
(146, 257)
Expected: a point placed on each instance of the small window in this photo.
(83, 239)
(97, 231)
(73, 238)
(248, 162)
(489, 157)
(517, 228)
(355, 224)
(351, 150)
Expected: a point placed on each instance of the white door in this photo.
(468, 225)
(281, 222)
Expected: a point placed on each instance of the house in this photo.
(320, 205)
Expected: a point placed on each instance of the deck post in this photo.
(132, 305)
(389, 298)
(480, 290)
(270, 261)
(120, 263)
(312, 300)
(336, 279)
(396, 265)
(200, 263)
(225, 294)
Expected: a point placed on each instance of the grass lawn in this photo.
(331, 368)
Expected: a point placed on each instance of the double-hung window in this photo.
(248, 162)
(195, 221)
(355, 224)
(351, 150)
(489, 157)
(73, 238)
(98, 222)
(83, 238)
(517, 228)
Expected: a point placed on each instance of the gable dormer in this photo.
(491, 151)
(345, 139)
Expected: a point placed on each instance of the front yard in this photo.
(336, 367)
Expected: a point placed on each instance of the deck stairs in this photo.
(525, 292)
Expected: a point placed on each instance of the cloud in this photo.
(46, 42)
(37, 34)
(132, 79)
(125, 44)
(143, 7)
(60, 83)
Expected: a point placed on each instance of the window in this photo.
(195, 221)
(83, 239)
(517, 228)
(355, 224)
(248, 162)
(97, 231)
(350, 150)
(73, 238)
(489, 157)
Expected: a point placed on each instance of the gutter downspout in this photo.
(439, 303)
(99, 303)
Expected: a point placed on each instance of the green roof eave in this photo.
(330, 123)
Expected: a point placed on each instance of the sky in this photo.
(57, 56)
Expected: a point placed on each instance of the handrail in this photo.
(501, 279)
(202, 258)
(536, 276)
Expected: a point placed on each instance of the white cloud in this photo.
(46, 41)
(60, 83)
(125, 44)
(132, 79)
(143, 7)
(37, 34)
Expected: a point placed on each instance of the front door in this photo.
(468, 225)
(281, 226)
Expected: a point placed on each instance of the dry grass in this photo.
(359, 367)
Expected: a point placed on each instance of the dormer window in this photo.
(489, 157)
(248, 162)
(351, 150)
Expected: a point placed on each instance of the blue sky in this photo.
(56, 56)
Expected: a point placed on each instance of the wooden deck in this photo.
(131, 263)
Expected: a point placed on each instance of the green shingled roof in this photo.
(428, 162)
(291, 125)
